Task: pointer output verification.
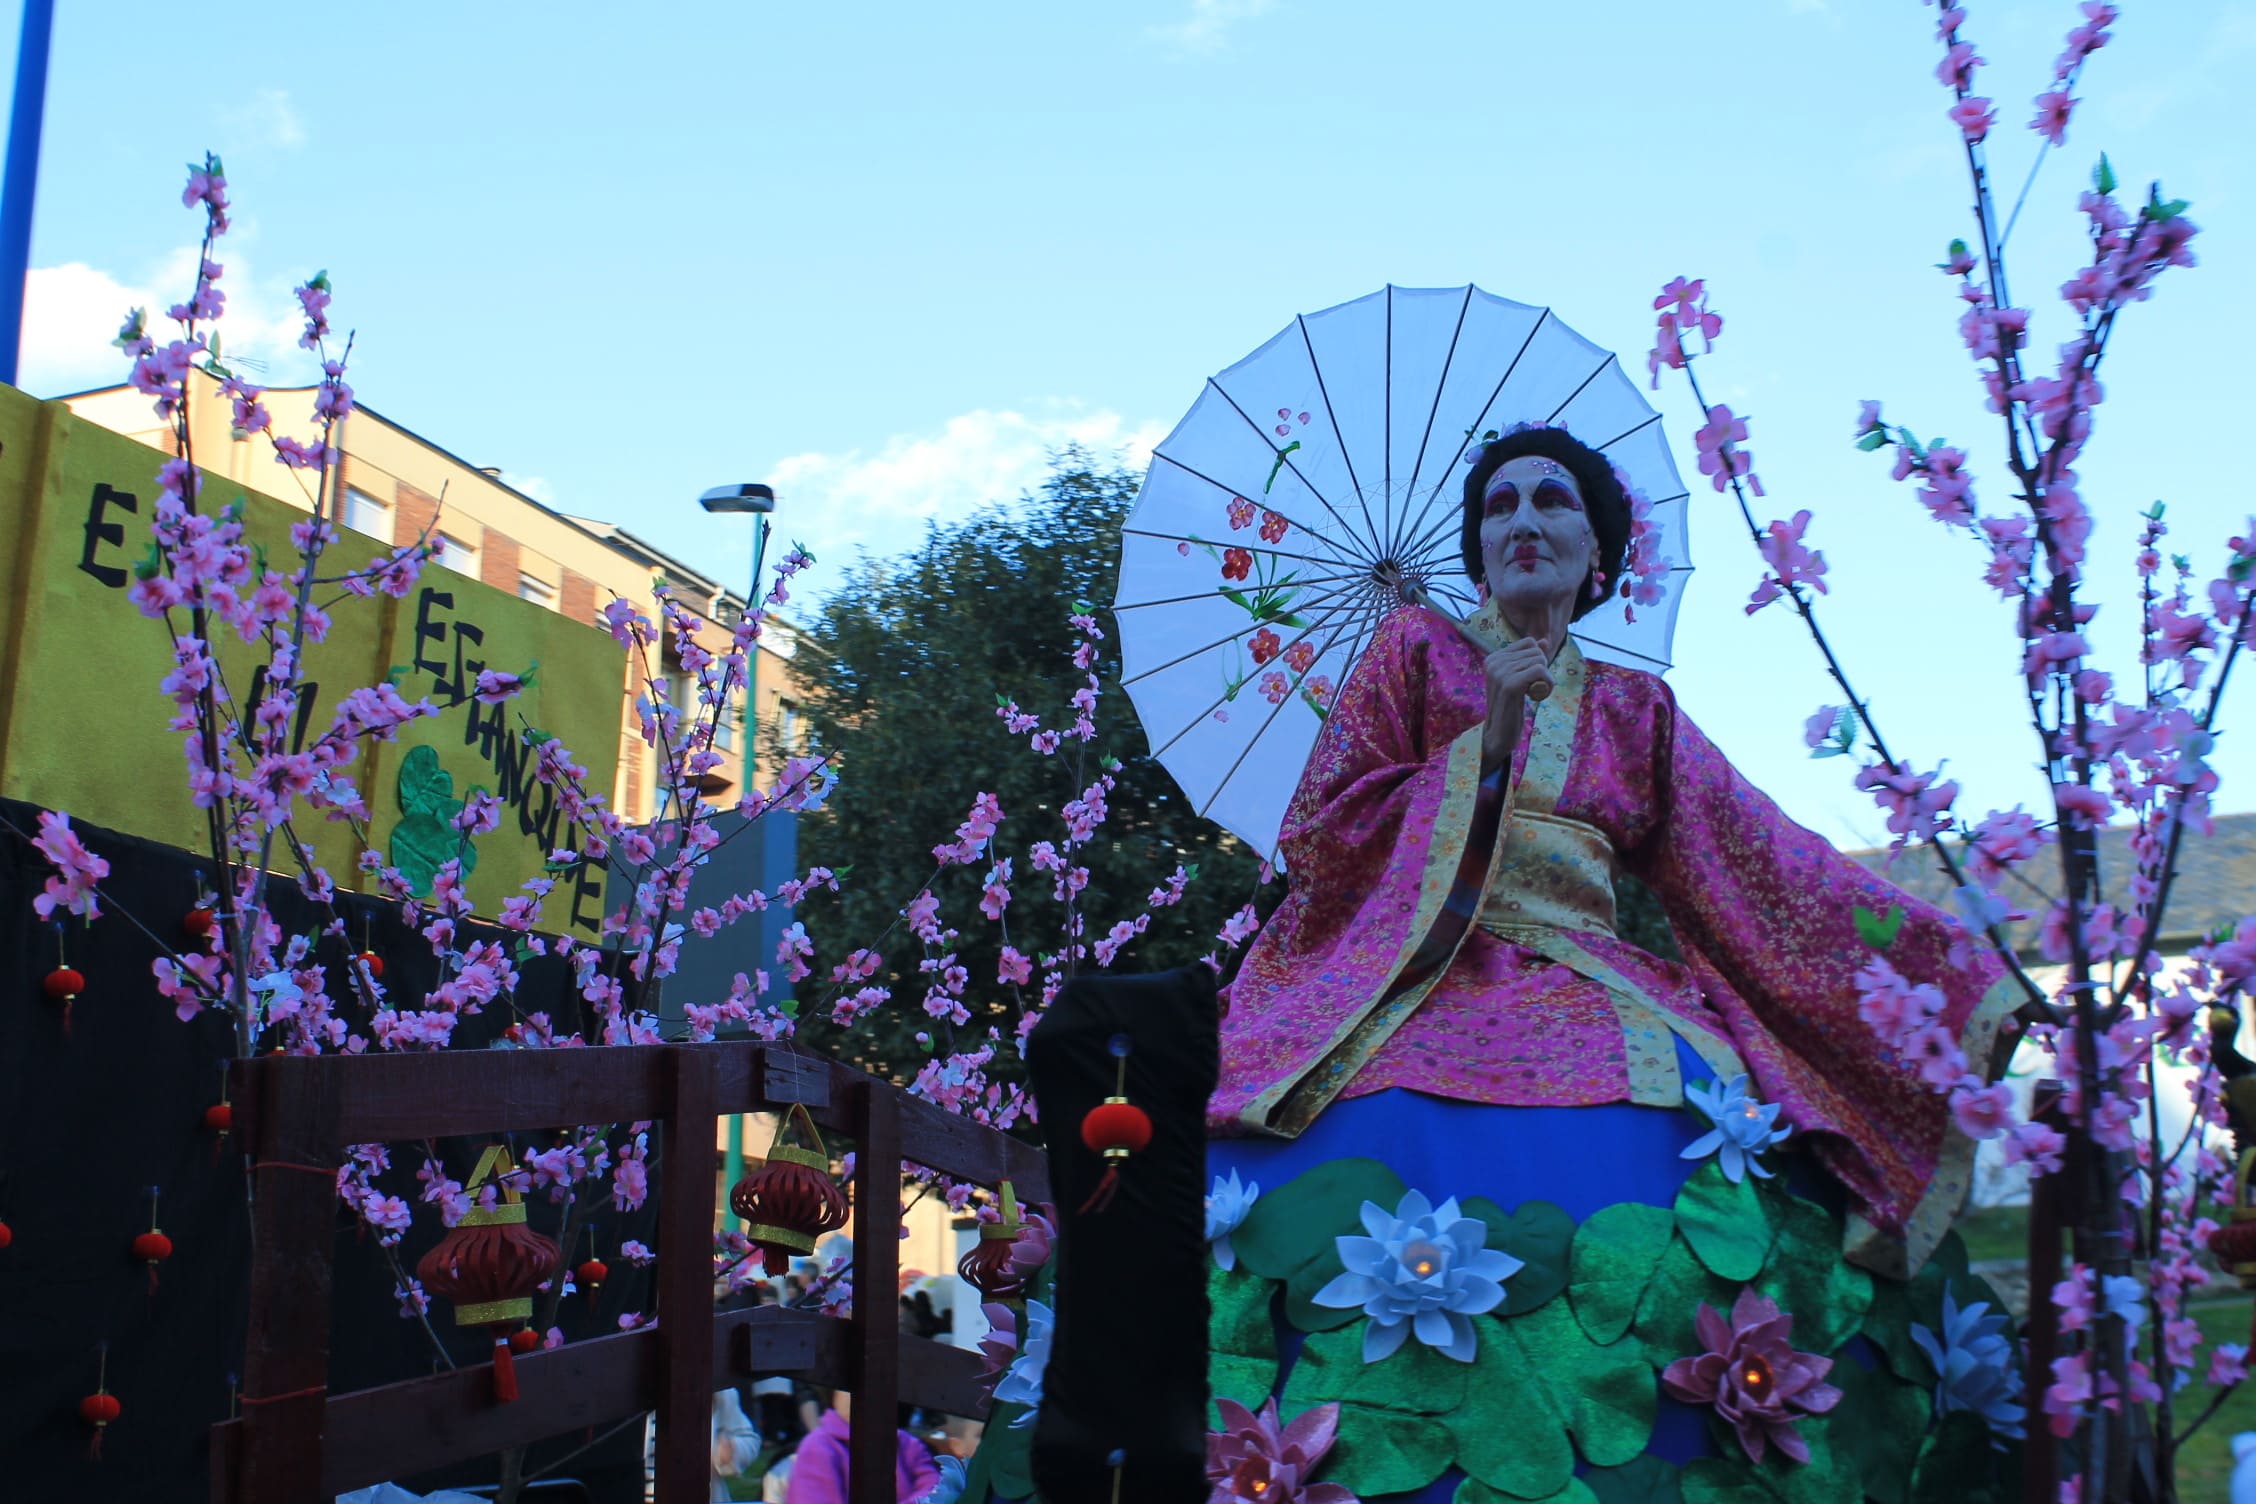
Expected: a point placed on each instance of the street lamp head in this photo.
(749, 496)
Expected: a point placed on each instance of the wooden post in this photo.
(871, 1447)
(285, 1396)
(685, 1278)
(2040, 1458)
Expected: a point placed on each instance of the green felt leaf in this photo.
(1896, 1305)
(1888, 1418)
(1673, 1296)
(421, 844)
(1879, 930)
(1008, 1451)
(1727, 1225)
(1541, 1380)
(1825, 1294)
(1539, 1235)
(1473, 1491)
(1873, 440)
(1241, 1338)
(2103, 176)
(1957, 1464)
(1385, 1452)
(1615, 1252)
(1644, 1480)
(1291, 1233)
(1829, 1477)
(1412, 1380)
(424, 786)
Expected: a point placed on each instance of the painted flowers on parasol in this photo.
(1307, 479)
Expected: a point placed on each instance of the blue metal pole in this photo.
(22, 181)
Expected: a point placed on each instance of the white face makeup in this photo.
(1536, 540)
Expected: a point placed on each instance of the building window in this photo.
(366, 515)
(724, 727)
(456, 554)
(791, 729)
(538, 591)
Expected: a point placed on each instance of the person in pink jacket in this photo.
(818, 1468)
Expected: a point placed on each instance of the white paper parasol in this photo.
(1250, 566)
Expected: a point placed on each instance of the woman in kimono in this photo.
(1494, 1188)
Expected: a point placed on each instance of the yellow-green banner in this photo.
(83, 717)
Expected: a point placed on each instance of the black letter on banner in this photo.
(99, 532)
(427, 630)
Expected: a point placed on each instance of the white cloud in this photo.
(1207, 28)
(266, 118)
(880, 499)
(72, 312)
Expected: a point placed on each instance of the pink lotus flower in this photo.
(1753, 1376)
(1254, 1460)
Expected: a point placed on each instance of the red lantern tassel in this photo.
(505, 1372)
(1101, 1197)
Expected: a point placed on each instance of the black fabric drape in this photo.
(1126, 1376)
(91, 1117)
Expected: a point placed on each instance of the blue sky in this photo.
(885, 255)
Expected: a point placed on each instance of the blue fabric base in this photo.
(1577, 1158)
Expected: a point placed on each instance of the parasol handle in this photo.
(1539, 691)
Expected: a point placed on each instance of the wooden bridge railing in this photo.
(295, 1441)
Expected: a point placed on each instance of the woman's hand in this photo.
(1515, 669)
(1515, 672)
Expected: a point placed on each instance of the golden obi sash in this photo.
(1553, 873)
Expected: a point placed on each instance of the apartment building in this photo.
(397, 484)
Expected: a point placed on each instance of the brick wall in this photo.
(414, 512)
(578, 599)
(497, 562)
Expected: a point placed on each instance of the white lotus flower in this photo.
(1422, 1269)
(1021, 1383)
(1742, 1128)
(1226, 1208)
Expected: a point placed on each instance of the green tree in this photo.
(914, 651)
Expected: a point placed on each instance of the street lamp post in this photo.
(759, 500)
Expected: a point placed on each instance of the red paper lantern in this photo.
(1115, 1128)
(591, 1274)
(64, 983)
(788, 1201)
(489, 1265)
(373, 962)
(987, 1268)
(152, 1247)
(101, 1407)
(198, 921)
(7, 1235)
(524, 1340)
(219, 1117)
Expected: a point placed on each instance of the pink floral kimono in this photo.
(1454, 937)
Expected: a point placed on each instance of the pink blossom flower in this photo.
(1721, 460)
(1791, 563)
(77, 870)
(1973, 116)
(1753, 1376)
(2051, 120)
(1981, 1111)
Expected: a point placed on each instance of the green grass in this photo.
(1996, 1232)
(2206, 1463)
